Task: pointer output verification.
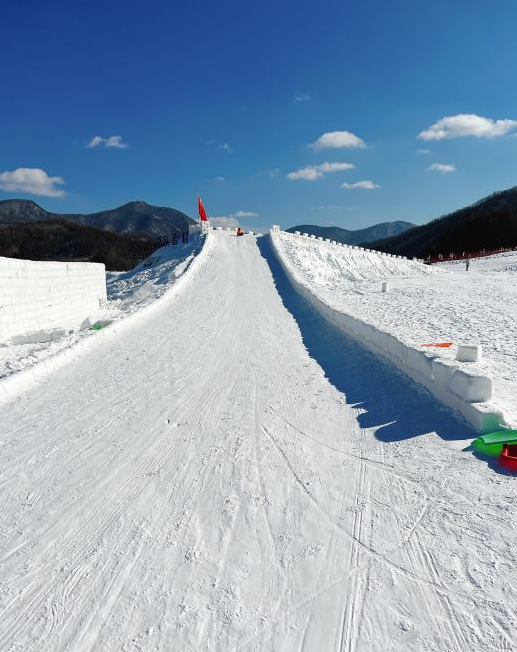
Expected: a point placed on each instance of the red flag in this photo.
(201, 210)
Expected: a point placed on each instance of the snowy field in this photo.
(231, 473)
(127, 293)
(441, 303)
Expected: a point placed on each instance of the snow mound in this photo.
(324, 264)
(129, 291)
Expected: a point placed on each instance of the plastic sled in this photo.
(508, 457)
(493, 443)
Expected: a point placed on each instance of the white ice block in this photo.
(469, 352)
(470, 387)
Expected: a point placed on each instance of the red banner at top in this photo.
(201, 210)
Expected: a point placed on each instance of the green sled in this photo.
(492, 444)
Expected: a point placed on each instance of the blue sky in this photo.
(229, 99)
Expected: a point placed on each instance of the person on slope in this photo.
(240, 231)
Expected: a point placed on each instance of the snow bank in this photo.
(132, 290)
(130, 295)
(37, 295)
(312, 265)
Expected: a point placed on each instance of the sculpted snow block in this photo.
(40, 295)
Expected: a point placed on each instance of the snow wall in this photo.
(452, 384)
(13, 385)
(38, 295)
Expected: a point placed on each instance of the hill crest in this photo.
(136, 218)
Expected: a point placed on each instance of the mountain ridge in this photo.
(136, 218)
(357, 236)
(489, 223)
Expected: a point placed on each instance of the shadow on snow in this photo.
(393, 404)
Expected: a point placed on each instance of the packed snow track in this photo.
(230, 473)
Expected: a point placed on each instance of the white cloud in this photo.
(224, 221)
(223, 147)
(422, 152)
(302, 97)
(441, 167)
(367, 184)
(244, 214)
(96, 140)
(467, 124)
(32, 180)
(335, 208)
(219, 179)
(338, 140)
(309, 173)
(313, 172)
(232, 219)
(111, 141)
(116, 141)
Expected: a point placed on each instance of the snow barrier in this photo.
(40, 295)
(452, 384)
(15, 384)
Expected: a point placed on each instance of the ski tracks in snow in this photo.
(200, 485)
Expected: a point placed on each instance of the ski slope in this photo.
(230, 473)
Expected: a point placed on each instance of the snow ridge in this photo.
(315, 266)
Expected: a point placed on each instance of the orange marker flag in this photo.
(443, 345)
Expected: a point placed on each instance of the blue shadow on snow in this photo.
(395, 405)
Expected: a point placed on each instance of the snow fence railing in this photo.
(452, 384)
(298, 234)
(17, 383)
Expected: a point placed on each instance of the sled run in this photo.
(230, 473)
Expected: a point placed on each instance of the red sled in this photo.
(508, 457)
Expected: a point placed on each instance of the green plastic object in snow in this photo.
(492, 444)
(96, 327)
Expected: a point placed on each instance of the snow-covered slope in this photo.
(128, 292)
(424, 305)
(229, 474)
(324, 265)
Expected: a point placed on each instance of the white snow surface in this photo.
(424, 304)
(229, 473)
(127, 293)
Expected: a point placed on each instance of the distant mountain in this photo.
(359, 236)
(490, 223)
(135, 218)
(21, 210)
(66, 241)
